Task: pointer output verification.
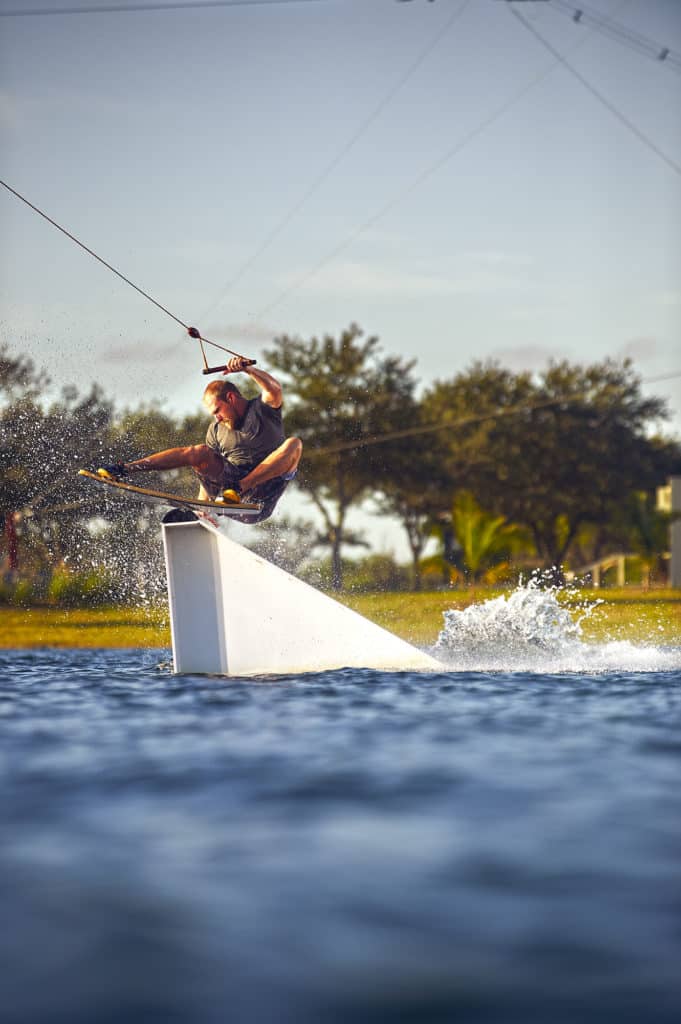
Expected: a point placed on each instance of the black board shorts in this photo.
(268, 493)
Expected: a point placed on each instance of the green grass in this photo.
(84, 627)
(653, 617)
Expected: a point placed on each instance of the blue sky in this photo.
(428, 170)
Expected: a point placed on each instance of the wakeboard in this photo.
(152, 497)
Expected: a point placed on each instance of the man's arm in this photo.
(270, 388)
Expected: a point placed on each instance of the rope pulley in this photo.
(194, 332)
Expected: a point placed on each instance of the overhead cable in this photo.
(461, 144)
(598, 95)
(179, 5)
(581, 15)
(324, 174)
(420, 178)
(664, 376)
(192, 331)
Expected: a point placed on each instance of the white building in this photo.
(669, 500)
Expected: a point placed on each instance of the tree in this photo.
(376, 572)
(49, 512)
(414, 486)
(558, 452)
(42, 450)
(411, 502)
(475, 545)
(18, 377)
(126, 541)
(339, 394)
(485, 540)
(19, 384)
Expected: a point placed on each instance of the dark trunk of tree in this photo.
(417, 580)
(336, 565)
(416, 544)
(12, 542)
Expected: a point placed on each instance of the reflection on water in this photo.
(348, 846)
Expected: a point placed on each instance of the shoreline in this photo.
(652, 617)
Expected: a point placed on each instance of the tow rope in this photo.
(193, 332)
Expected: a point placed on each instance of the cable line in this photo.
(433, 428)
(192, 331)
(92, 253)
(324, 174)
(598, 95)
(581, 15)
(423, 176)
(134, 8)
(664, 376)
(414, 184)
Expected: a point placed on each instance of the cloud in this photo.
(137, 352)
(255, 333)
(368, 279)
(146, 353)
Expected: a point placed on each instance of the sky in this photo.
(466, 180)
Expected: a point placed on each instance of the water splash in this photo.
(531, 630)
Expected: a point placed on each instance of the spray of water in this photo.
(532, 630)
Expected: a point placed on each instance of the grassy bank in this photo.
(84, 627)
(653, 617)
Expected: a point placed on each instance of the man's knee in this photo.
(295, 447)
(201, 458)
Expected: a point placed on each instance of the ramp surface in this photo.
(233, 613)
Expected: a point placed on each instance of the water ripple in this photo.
(478, 845)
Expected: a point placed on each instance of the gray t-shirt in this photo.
(259, 434)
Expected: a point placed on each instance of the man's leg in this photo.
(266, 495)
(283, 459)
(209, 467)
(206, 463)
(198, 456)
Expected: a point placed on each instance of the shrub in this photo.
(19, 592)
(72, 589)
(376, 572)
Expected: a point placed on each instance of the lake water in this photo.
(498, 842)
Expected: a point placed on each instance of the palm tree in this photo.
(483, 542)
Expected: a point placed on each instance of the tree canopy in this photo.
(339, 394)
(557, 451)
(565, 455)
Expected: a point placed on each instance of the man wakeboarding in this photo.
(246, 456)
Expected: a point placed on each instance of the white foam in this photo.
(530, 630)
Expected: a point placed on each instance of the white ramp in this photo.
(233, 613)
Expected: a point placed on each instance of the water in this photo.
(498, 842)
